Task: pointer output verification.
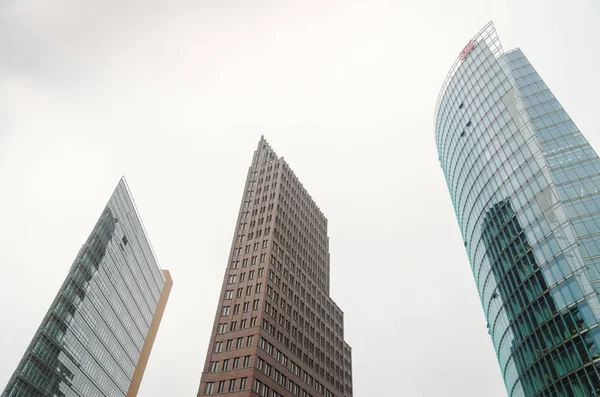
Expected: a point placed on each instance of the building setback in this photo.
(96, 337)
(277, 332)
(525, 185)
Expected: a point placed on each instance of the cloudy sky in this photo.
(175, 95)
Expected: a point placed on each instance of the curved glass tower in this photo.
(525, 185)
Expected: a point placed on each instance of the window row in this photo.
(211, 388)
(228, 345)
(229, 364)
(233, 278)
(263, 390)
(233, 326)
(236, 307)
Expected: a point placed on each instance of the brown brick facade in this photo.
(277, 332)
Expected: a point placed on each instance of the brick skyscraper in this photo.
(277, 332)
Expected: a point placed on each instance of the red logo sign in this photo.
(467, 50)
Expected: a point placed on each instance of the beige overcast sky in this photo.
(175, 95)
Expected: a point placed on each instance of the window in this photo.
(243, 382)
(265, 243)
(229, 344)
(260, 272)
(263, 257)
(253, 322)
(232, 384)
(225, 366)
(222, 328)
(255, 304)
(246, 361)
(242, 277)
(236, 363)
(258, 287)
(239, 342)
(209, 387)
(260, 388)
(235, 264)
(236, 308)
(221, 388)
(249, 340)
(231, 280)
(225, 311)
(244, 324)
(218, 347)
(245, 262)
(239, 293)
(214, 366)
(260, 363)
(253, 260)
(233, 326)
(229, 294)
(251, 275)
(246, 306)
(249, 290)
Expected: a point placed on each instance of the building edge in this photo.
(140, 368)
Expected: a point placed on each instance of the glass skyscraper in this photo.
(525, 184)
(97, 335)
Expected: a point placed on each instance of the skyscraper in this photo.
(96, 337)
(277, 332)
(525, 184)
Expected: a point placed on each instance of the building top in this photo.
(488, 35)
(287, 166)
(123, 183)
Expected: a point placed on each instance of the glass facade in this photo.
(90, 340)
(524, 184)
